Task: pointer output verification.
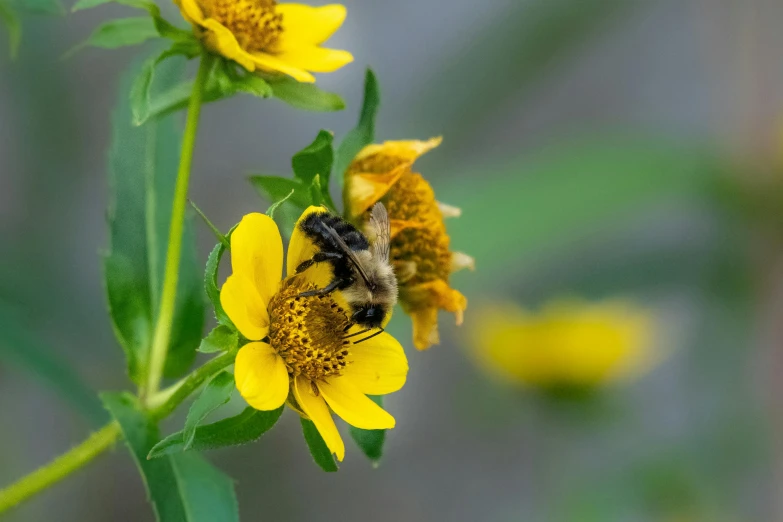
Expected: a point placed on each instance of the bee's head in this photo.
(370, 315)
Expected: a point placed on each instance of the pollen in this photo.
(308, 332)
(255, 23)
(412, 199)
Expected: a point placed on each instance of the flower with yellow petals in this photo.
(271, 37)
(301, 348)
(420, 245)
(567, 345)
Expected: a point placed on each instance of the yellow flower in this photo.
(420, 245)
(298, 350)
(568, 344)
(260, 34)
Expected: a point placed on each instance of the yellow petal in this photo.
(315, 408)
(425, 327)
(448, 211)
(365, 189)
(270, 63)
(245, 307)
(261, 376)
(399, 152)
(301, 249)
(460, 260)
(257, 253)
(377, 366)
(190, 11)
(398, 225)
(316, 59)
(307, 25)
(353, 406)
(221, 40)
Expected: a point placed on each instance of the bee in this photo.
(361, 271)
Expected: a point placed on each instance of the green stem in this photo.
(60, 467)
(162, 336)
(103, 439)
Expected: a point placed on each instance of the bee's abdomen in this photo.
(315, 226)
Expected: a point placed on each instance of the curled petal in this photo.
(460, 261)
(221, 40)
(272, 63)
(353, 406)
(316, 59)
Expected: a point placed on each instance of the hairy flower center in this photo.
(308, 332)
(255, 23)
(412, 199)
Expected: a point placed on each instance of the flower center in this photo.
(308, 332)
(255, 23)
(412, 199)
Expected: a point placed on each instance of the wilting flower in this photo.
(272, 37)
(420, 245)
(567, 345)
(300, 348)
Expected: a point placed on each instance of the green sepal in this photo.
(370, 441)
(10, 20)
(277, 204)
(181, 488)
(220, 339)
(211, 282)
(120, 32)
(364, 132)
(318, 448)
(244, 428)
(316, 191)
(215, 394)
(304, 96)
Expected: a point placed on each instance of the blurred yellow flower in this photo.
(420, 245)
(300, 348)
(272, 37)
(568, 344)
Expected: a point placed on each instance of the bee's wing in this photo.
(348, 252)
(379, 221)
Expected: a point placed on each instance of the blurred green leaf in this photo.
(364, 132)
(49, 7)
(220, 339)
(314, 159)
(89, 4)
(13, 26)
(121, 32)
(143, 166)
(276, 188)
(556, 197)
(318, 448)
(244, 428)
(216, 393)
(304, 95)
(370, 441)
(20, 347)
(184, 488)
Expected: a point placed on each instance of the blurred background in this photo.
(599, 149)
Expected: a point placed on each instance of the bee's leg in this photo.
(331, 287)
(379, 332)
(319, 257)
(357, 333)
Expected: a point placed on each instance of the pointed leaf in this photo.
(315, 159)
(244, 428)
(370, 441)
(183, 488)
(211, 281)
(364, 132)
(216, 393)
(122, 32)
(220, 339)
(305, 95)
(318, 448)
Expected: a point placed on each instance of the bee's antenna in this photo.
(379, 332)
(357, 333)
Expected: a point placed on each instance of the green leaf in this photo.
(370, 441)
(304, 95)
(143, 166)
(316, 191)
(274, 206)
(244, 428)
(13, 26)
(364, 132)
(315, 159)
(184, 488)
(89, 4)
(216, 393)
(220, 339)
(276, 188)
(122, 32)
(49, 7)
(211, 282)
(318, 448)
